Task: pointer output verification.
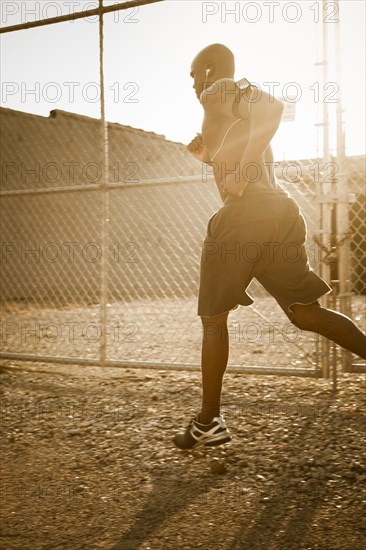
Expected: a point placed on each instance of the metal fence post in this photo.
(104, 199)
(342, 205)
(325, 206)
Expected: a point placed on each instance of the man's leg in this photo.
(331, 324)
(215, 353)
(202, 430)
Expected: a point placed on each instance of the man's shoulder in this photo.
(225, 96)
(219, 92)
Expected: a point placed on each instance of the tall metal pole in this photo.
(325, 189)
(343, 249)
(104, 199)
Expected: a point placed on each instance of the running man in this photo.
(251, 235)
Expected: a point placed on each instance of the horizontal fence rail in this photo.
(78, 15)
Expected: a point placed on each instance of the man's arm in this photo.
(269, 164)
(199, 151)
(265, 116)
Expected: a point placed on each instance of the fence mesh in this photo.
(51, 278)
(52, 247)
(357, 225)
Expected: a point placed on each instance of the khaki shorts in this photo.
(261, 235)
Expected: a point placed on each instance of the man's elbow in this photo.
(276, 111)
(270, 108)
(279, 107)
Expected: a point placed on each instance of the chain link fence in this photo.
(51, 272)
(356, 185)
(59, 255)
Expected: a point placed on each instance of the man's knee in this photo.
(217, 319)
(305, 315)
(215, 326)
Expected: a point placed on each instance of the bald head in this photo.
(210, 64)
(220, 59)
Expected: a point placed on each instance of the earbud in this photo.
(208, 73)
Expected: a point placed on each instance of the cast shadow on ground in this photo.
(284, 516)
(287, 514)
(165, 501)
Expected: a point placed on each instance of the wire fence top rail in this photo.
(78, 15)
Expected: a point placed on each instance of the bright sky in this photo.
(148, 52)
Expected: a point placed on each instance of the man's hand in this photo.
(234, 186)
(198, 149)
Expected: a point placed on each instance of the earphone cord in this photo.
(224, 138)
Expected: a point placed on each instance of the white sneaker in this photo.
(196, 434)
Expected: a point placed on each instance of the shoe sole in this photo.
(216, 443)
(205, 444)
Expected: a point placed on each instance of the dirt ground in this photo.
(88, 462)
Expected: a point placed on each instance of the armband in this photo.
(243, 86)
